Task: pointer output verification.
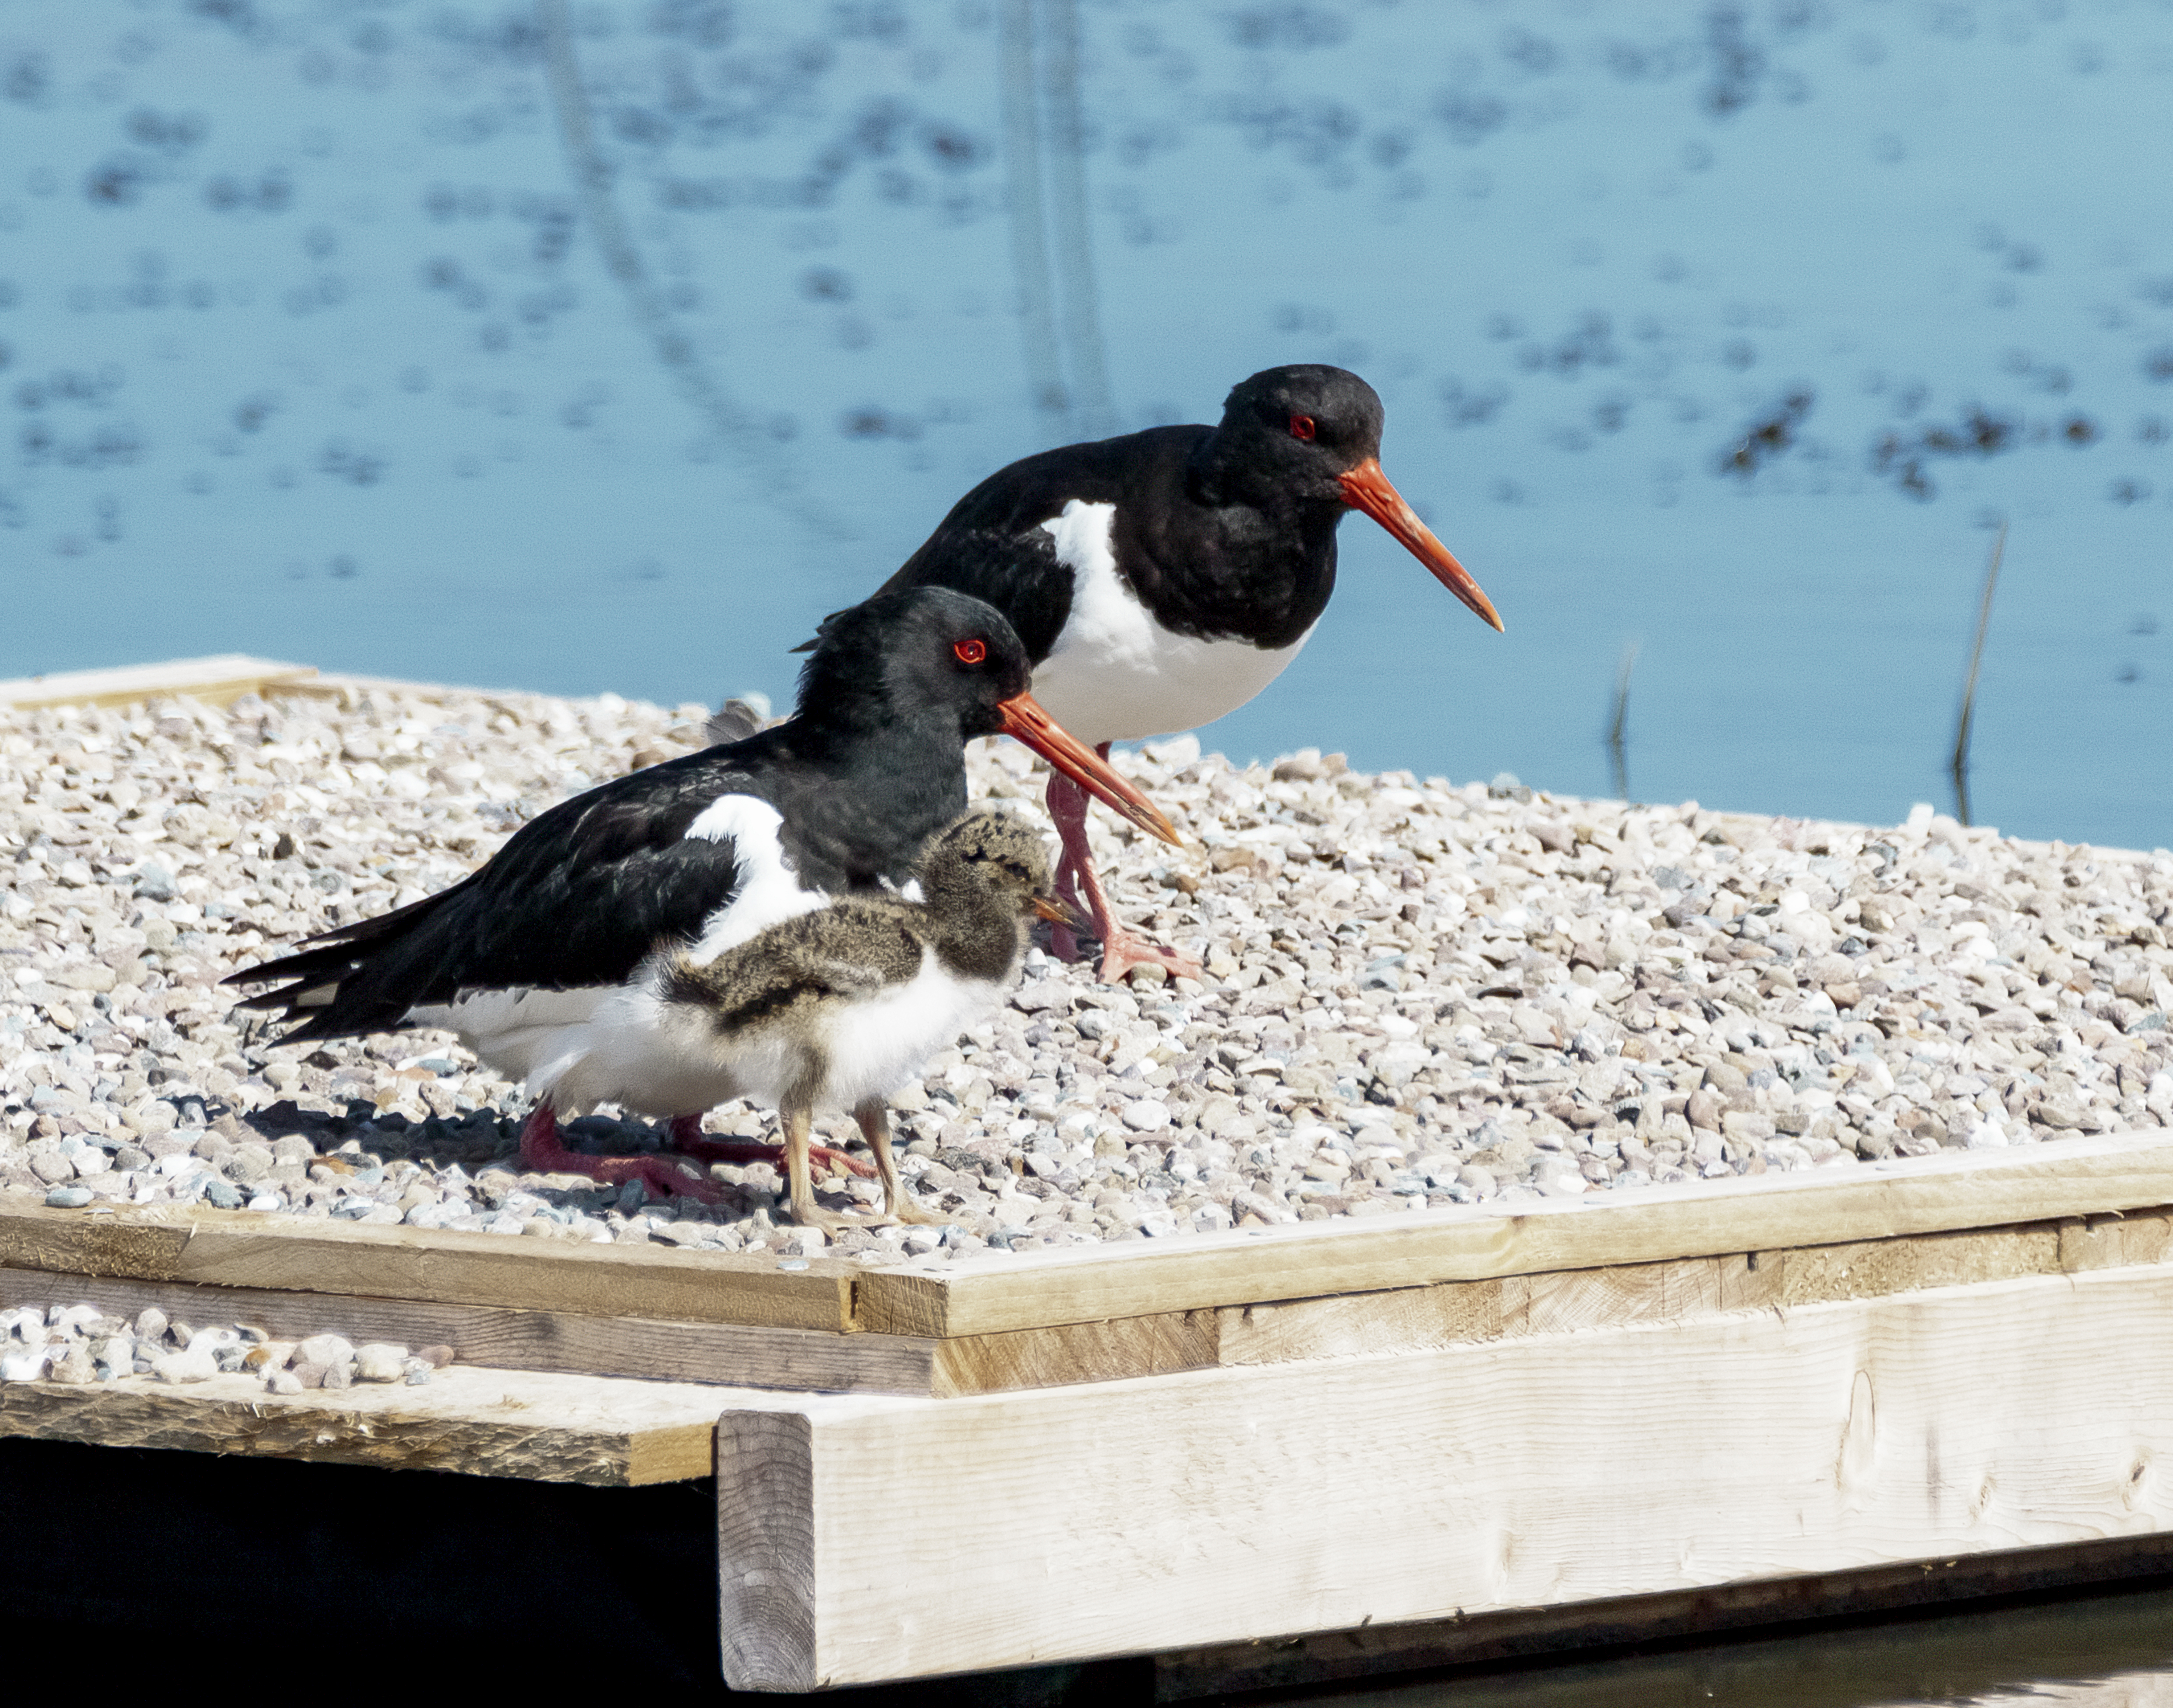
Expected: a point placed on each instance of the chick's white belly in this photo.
(864, 1048)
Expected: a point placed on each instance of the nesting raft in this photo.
(1163, 1447)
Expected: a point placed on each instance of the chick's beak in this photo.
(1365, 488)
(1022, 718)
(1059, 912)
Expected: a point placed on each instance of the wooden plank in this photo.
(1679, 1290)
(740, 1355)
(759, 1355)
(765, 1574)
(216, 680)
(1886, 1200)
(491, 1423)
(1072, 1352)
(1238, 1504)
(233, 1248)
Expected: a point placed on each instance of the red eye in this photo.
(1302, 427)
(970, 652)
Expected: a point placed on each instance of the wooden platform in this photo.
(1422, 1422)
(217, 680)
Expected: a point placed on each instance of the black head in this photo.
(926, 653)
(1298, 430)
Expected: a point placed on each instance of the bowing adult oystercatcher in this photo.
(1162, 578)
(544, 959)
(841, 1006)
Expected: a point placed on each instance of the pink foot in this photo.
(1121, 949)
(688, 1139)
(542, 1149)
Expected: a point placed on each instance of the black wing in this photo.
(991, 545)
(578, 898)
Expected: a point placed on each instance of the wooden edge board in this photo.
(491, 1423)
(216, 680)
(234, 1248)
(1406, 1319)
(995, 1295)
(730, 1354)
(2103, 1175)
(1449, 1313)
(1234, 1505)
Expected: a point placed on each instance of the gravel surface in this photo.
(81, 1344)
(1416, 994)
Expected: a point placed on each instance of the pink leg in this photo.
(542, 1149)
(1121, 949)
(689, 1139)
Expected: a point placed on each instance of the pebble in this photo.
(327, 1349)
(1417, 993)
(189, 1365)
(80, 1345)
(379, 1361)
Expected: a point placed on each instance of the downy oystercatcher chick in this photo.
(1163, 578)
(840, 1007)
(543, 959)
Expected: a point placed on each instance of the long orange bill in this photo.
(1059, 912)
(1368, 489)
(1026, 721)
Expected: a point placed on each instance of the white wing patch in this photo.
(770, 890)
(1116, 674)
(513, 1030)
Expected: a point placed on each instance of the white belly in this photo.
(872, 1047)
(1116, 674)
(577, 1049)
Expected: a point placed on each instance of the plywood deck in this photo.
(558, 1429)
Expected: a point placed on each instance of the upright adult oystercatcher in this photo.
(841, 1006)
(545, 959)
(1162, 578)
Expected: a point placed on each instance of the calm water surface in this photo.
(2102, 1651)
(608, 345)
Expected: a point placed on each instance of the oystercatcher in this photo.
(841, 1006)
(1164, 578)
(543, 959)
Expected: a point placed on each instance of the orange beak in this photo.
(1367, 488)
(1058, 912)
(1026, 721)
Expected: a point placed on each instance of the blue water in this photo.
(312, 350)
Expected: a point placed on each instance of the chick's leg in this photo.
(804, 1210)
(898, 1205)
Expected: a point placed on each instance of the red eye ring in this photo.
(1302, 427)
(970, 652)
